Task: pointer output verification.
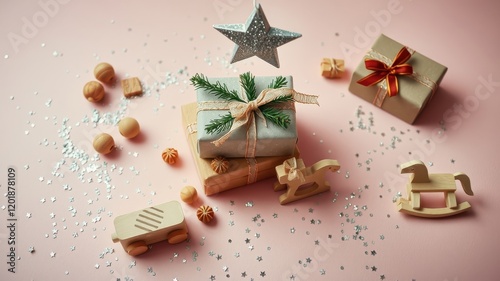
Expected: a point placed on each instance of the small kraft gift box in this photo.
(246, 116)
(396, 78)
(240, 171)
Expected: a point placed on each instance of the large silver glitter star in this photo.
(256, 38)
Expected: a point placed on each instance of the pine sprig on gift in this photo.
(220, 125)
(277, 83)
(279, 99)
(221, 91)
(247, 82)
(276, 116)
(248, 85)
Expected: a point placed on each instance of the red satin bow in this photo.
(382, 70)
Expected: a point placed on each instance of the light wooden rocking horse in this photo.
(422, 181)
(293, 174)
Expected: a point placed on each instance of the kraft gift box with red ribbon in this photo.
(250, 135)
(396, 78)
(240, 172)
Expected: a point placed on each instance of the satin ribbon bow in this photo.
(292, 170)
(389, 73)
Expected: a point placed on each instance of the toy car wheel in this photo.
(177, 236)
(137, 248)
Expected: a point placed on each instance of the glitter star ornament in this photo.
(256, 38)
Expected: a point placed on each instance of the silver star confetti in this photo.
(256, 38)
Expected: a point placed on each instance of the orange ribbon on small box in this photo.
(389, 73)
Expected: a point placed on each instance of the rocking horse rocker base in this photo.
(300, 193)
(422, 181)
(301, 181)
(404, 206)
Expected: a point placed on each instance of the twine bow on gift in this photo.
(243, 113)
(389, 73)
(292, 170)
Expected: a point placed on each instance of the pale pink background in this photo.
(41, 87)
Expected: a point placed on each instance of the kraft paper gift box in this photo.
(415, 87)
(271, 140)
(241, 171)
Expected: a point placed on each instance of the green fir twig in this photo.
(279, 82)
(248, 85)
(280, 99)
(276, 116)
(220, 125)
(224, 123)
(221, 91)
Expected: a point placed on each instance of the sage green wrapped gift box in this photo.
(271, 140)
(415, 90)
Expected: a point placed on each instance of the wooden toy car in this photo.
(139, 229)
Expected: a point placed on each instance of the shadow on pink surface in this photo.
(432, 114)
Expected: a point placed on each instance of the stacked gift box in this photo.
(262, 135)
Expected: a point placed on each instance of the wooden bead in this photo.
(104, 143)
(170, 155)
(104, 72)
(129, 127)
(205, 214)
(93, 91)
(189, 194)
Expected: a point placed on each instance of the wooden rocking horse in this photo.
(421, 181)
(293, 174)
